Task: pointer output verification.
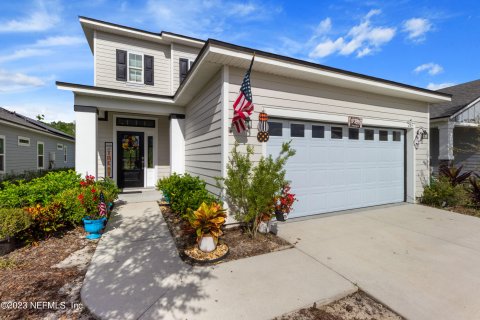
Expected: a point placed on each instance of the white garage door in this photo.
(338, 168)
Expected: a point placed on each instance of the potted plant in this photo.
(95, 208)
(284, 203)
(207, 221)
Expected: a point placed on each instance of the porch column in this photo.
(86, 140)
(177, 143)
(445, 144)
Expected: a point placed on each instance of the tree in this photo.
(67, 127)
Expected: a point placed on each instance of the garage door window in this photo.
(353, 134)
(337, 132)
(369, 134)
(275, 129)
(318, 131)
(396, 136)
(297, 130)
(383, 135)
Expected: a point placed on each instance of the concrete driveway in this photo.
(422, 262)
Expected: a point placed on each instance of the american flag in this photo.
(243, 106)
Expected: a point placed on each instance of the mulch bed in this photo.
(27, 276)
(358, 306)
(465, 210)
(240, 243)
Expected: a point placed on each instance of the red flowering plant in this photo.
(284, 202)
(90, 198)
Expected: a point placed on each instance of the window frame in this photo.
(41, 155)
(281, 127)
(380, 136)
(331, 131)
(357, 130)
(142, 80)
(399, 135)
(291, 124)
(324, 129)
(365, 134)
(59, 146)
(65, 154)
(21, 144)
(189, 67)
(4, 154)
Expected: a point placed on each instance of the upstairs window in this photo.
(184, 67)
(135, 67)
(23, 141)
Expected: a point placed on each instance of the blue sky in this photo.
(423, 43)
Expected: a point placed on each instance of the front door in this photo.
(130, 150)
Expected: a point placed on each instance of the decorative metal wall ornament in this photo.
(421, 134)
(263, 135)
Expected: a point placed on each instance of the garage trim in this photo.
(410, 152)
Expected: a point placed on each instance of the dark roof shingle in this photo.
(15, 118)
(462, 95)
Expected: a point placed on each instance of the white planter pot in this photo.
(263, 227)
(207, 244)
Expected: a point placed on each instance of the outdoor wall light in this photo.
(422, 133)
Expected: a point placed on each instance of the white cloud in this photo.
(24, 53)
(207, 18)
(16, 82)
(43, 16)
(57, 41)
(417, 28)
(362, 39)
(438, 86)
(431, 68)
(323, 27)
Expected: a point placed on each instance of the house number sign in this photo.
(355, 122)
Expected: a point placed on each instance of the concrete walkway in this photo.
(136, 274)
(422, 262)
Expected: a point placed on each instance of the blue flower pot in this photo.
(93, 227)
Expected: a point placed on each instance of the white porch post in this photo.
(177, 143)
(445, 146)
(86, 140)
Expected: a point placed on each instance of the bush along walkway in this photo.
(136, 273)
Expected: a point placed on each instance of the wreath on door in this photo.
(130, 144)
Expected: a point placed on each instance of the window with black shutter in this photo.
(121, 65)
(148, 62)
(183, 69)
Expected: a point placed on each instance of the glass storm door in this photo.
(130, 150)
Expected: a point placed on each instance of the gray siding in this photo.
(434, 149)
(466, 150)
(181, 51)
(270, 91)
(203, 123)
(23, 158)
(105, 63)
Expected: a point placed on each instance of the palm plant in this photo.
(454, 174)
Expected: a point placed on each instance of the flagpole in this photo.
(251, 62)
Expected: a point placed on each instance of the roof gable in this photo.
(462, 95)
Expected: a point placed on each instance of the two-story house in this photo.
(162, 103)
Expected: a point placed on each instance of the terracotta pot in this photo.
(207, 243)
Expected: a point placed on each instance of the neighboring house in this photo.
(29, 145)
(454, 130)
(162, 103)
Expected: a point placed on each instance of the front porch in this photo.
(454, 143)
(134, 141)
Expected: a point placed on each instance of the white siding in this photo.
(181, 51)
(276, 92)
(203, 122)
(105, 57)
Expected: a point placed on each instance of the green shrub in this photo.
(37, 191)
(27, 175)
(13, 221)
(72, 211)
(109, 189)
(441, 193)
(251, 190)
(185, 192)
